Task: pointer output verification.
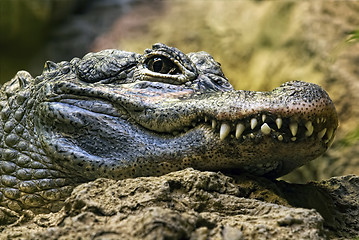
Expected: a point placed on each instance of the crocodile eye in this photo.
(160, 64)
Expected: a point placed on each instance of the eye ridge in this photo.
(163, 65)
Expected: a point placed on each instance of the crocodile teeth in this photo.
(330, 142)
(279, 122)
(214, 123)
(309, 127)
(239, 129)
(206, 119)
(280, 137)
(264, 118)
(265, 129)
(322, 133)
(253, 123)
(224, 131)
(293, 126)
(330, 133)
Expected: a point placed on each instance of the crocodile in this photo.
(118, 114)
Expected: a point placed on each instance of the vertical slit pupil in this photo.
(157, 65)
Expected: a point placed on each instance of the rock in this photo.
(340, 196)
(190, 204)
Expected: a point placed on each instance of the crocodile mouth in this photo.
(168, 117)
(109, 126)
(253, 127)
(265, 124)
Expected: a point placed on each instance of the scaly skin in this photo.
(119, 114)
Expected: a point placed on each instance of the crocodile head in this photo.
(120, 114)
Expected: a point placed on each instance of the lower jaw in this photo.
(202, 146)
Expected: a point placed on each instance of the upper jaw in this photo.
(285, 114)
(282, 111)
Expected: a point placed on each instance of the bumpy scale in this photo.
(119, 114)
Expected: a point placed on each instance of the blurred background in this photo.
(260, 45)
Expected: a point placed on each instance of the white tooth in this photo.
(309, 127)
(280, 137)
(330, 133)
(322, 133)
(205, 118)
(293, 126)
(293, 139)
(264, 118)
(265, 129)
(239, 130)
(330, 142)
(253, 123)
(214, 123)
(318, 120)
(279, 122)
(224, 131)
(252, 135)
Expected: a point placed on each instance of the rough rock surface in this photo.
(190, 204)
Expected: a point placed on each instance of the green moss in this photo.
(353, 36)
